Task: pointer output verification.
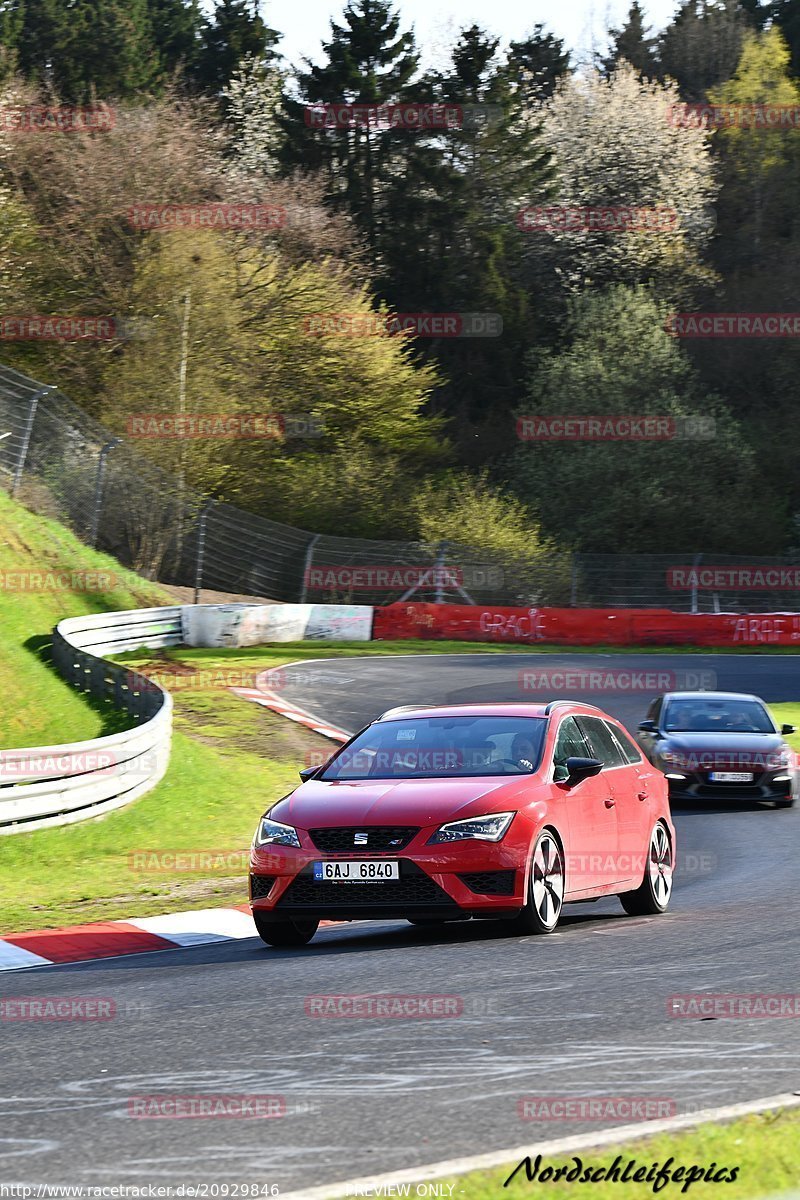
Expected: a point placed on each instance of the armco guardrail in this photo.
(57, 785)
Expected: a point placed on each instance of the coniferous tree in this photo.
(235, 32)
(369, 61)
(786, 15)
(91, 47)
(700, 47)
(176, 27)
(537, 63)
(632, 44)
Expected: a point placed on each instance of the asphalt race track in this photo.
(582, 1012)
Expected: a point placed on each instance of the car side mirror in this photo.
(647, 727)
(787, 729)
(309, 773)
(579, 769)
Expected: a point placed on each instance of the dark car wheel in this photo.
(284, 933)
(545, 888)
(652, 896)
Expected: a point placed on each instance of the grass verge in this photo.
(44, 710)
(764, 1150)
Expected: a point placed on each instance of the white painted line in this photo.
(195, 928)
(14, 958)
(580, 1141)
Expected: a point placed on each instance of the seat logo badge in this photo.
(360, 839)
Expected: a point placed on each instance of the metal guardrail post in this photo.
(26, 437)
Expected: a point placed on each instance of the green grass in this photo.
(764, 1147)
(213, 793)
(230, 760)
(45, 710)
(788, 714)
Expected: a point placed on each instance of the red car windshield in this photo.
(442, 748)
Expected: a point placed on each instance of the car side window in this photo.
(630, 751)
(570, 743)
(602, 741)
(654, 711)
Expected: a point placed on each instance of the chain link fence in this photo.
(62, 463)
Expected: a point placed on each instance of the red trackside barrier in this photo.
(585, 626)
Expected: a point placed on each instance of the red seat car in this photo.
(482, 810)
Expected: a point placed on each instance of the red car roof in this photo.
(490, 709)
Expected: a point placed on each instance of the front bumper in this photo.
(697, 786)
(480, 879)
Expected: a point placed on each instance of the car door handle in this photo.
(609, 803)
(642, 795)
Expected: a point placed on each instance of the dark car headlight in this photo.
(482, 829)
(274, 833)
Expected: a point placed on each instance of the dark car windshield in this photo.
(441, 748)
(717, 716)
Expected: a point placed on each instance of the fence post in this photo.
(307, 565)
(441, 555)
(98, 487)
(573, 593)
(201, 549)
(26, 437)
(696, 563)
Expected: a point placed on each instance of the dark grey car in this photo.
(719, 746)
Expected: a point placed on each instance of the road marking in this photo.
(581, 1141)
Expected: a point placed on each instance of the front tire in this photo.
(285, 933)
(542, 910)
(653, 894)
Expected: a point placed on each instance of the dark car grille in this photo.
(413, 887)
(490, 883)
(381, 839)
(742, 791)
(260, 886)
